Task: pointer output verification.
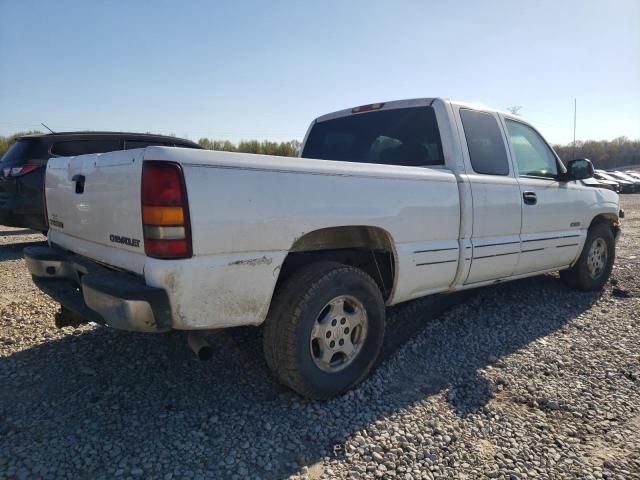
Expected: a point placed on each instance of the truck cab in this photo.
(521, 212)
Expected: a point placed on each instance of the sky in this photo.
(245, 69)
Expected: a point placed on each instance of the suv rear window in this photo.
(71, 148)
(402, 136)
(23, 150)
(131, 144)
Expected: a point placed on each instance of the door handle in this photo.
(79, 180)
(530, 198)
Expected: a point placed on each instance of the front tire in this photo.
(593, 268)
(324, 329)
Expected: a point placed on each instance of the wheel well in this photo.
(608, 219)
(367, 248)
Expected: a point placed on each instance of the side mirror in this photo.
(579, 169)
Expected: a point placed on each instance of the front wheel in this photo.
(325, 329)
(593, 268)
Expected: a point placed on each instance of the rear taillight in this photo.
(165, 211)
(19, 171)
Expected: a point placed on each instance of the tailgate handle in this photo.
(79, 179)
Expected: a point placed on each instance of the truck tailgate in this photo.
(94, 207)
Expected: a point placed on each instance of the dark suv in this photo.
(22, 167)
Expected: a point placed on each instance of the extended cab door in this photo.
(552, 232)
(495, 239)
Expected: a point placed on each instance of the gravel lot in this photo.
(520, 380)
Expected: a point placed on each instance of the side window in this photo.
(486, 148)
(532, 154)
(71, 148)
(131, 144)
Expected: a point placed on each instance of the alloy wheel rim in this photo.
(338, 334)
(597, 258)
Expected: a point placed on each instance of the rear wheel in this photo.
(593, 268)
(325, 329)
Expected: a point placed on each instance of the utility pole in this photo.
(575, 111)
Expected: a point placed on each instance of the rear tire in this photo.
(324, 329)
(593, 268)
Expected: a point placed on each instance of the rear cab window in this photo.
(401, 136)
(487, 151)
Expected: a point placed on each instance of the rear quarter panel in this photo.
(248, 210)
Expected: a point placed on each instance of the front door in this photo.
(552, 232)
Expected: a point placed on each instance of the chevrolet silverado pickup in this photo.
(388, 202)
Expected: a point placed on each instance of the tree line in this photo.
(605, 154)
(265, 147)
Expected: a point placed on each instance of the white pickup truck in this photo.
(388, 202)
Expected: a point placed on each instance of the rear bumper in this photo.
(116, 299)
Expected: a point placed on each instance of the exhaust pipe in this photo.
(200, 347)
(68, 318)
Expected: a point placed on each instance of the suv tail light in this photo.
(165, 211)
(19, 171)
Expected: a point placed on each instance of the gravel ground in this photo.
(520, 380)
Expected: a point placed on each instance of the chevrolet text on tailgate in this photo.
(389, 202)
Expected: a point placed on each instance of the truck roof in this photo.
(408, 103)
